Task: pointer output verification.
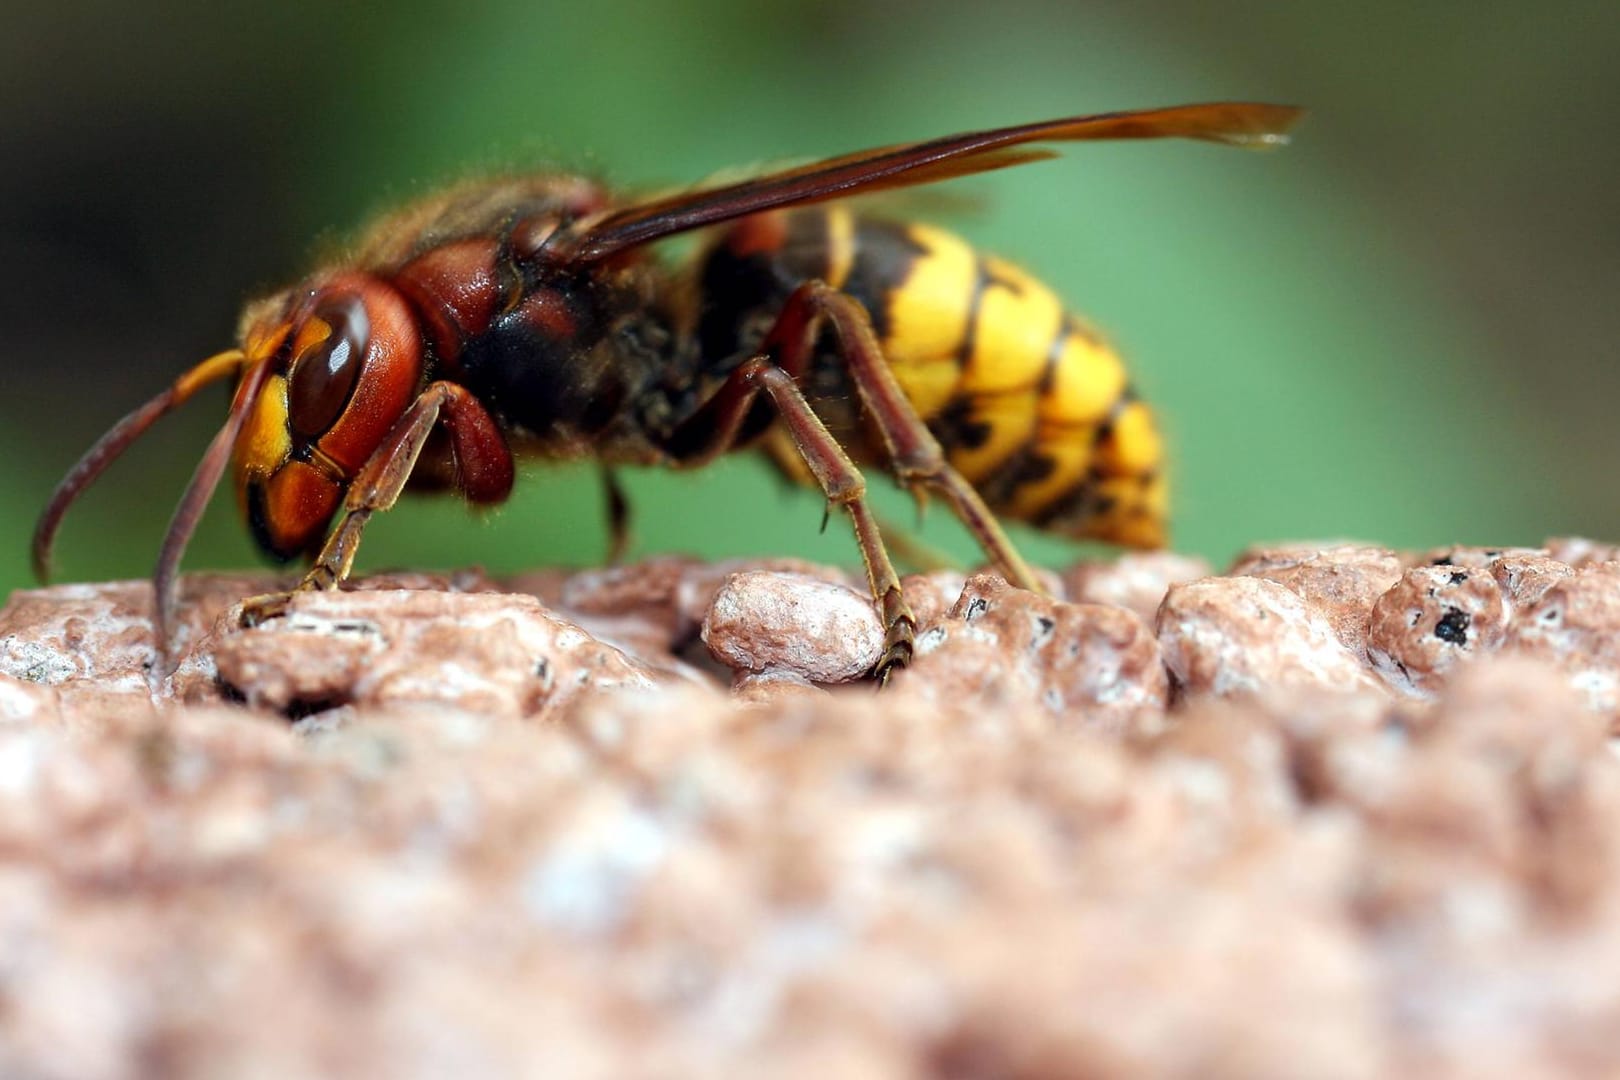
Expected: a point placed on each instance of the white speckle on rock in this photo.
(1245, 635)
(20, 700)
(34, 662)
(930, 639)
(586, 883)
(20, 758)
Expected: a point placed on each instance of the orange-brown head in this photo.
(324, 372)
(344, 362)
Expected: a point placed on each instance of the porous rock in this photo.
(92, 645)
(1249, 636)
(1525, 579)
(1580, 551)
(1437, 617)
(763, 620)
(932, 595)
(1471, 844)
(23, 700)
(1342, 582)
(1052, 583)
(648, 590)
(1473, 558)
(1575, 625)
(772, 687)
(1088, 665)
(787, 881)
(1136, 580)
(482, 652)
(702, 582)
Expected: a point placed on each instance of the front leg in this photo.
(483, 474)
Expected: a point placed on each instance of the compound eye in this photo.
(325, 372)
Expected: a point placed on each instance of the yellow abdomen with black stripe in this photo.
(1031, 406)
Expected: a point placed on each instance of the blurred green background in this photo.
(1402, 328)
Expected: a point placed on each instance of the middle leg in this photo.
(713, 429)
(919, 461)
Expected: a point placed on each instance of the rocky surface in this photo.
(1341, 812)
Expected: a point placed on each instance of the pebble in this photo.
(1437, 617)
(766, 620)
(1089, 666)
(1236, 636)
(1136, 580)
(1341, 582)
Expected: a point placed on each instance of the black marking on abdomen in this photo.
(885, 254)
(1024, 466)
(1105, 429)
(1078, 502)
(955, 427)
(970, 329)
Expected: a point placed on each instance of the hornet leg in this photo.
(484, 473)
(919, 462)
(712, 430)
(618, 513)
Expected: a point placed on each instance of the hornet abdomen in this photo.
(1031, 406)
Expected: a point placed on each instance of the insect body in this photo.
(529, 315)
(1028, 403)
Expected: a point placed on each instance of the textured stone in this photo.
(482, 652)
(1054, 583)
(932, 595)
(1575, 625)
(699, 586)
(772, 687)
(944, 878)
(24, 700)
(764, 620)
(1342, 582)
(1436, 618)
(1474, 558)
(648, 590)
(1088, 665)
(1249, 636)
(1526, 578)
(1579, 551)
(1254, 561)
(92, 644)
(1136, 580)
(545, 585)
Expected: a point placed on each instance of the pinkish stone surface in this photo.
(932, 595)
(1525, 579)
(698, 587)
(1342, 582)
(822, 631)
(773, 687)
(1579, 551)
(1437, 618)
(92, 644)
(1136, 580)
(480, 652)
(1248, 636)
(1474, 558)
(662, 878)
(649, 590)
(1086, 665)
(1575, 625)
